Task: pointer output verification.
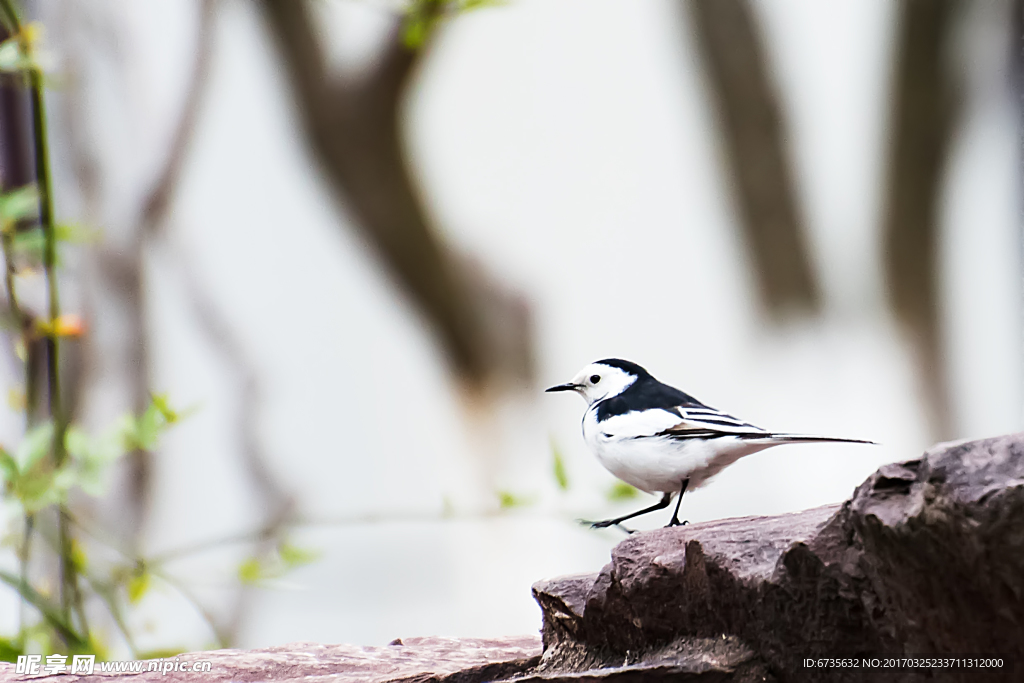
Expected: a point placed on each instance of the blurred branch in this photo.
(123, 267)
(754, 141)
(277, 502)
(353, 127)
(221, 638)
(154, 208)
(922, 116)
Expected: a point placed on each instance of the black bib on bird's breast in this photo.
(646, 393)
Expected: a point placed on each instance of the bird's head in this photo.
(603, 379)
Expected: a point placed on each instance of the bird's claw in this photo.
(675, 522)
(604, 524)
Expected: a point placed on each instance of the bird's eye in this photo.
(594, 379)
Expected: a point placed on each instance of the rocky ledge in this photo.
(926, 559)
(408, 660)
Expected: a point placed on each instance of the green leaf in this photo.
(250, 571)
(77, 443)
(293, 556)
(138, 585)
(160, 403)
(29, 243)
(276, 564)
(10, 649)
(470, 5)
(93, 456)
(509, 500)
(39, 490)
(415, 32)
(8, 467)
(34, 446)
(423, 16)
(143, 433)
(620, 490)
(79, 561)
(74, 233)
(19, 204)
(558, 467)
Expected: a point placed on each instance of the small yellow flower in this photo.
(67, 325)
(32, 34)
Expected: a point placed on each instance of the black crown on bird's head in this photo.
(626, 366)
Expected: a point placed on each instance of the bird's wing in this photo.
(638, 424)
(703, 422)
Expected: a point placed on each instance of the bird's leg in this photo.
(660, 505)
(675, 514)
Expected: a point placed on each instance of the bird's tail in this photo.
(807, 438)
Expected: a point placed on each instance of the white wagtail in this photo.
(659, 439)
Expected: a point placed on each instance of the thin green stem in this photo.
(153, 566)
(222, 639)
(69, 593)
(44, 186)
(24, 555)
(51, 614)
(10, 270)
(108, 595)
(11, 19)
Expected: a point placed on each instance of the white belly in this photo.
(660, 464)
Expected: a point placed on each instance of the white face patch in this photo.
(597, 382)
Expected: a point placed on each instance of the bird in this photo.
(660, 439)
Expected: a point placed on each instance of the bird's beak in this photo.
(564, 387)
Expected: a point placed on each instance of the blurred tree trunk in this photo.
(353, 128)
(921, 123)
(754, 141)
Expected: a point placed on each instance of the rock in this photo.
(415, 660)
(703, 660)
(927, 558)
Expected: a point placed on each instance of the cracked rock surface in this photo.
(409, 660)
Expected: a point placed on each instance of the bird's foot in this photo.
(604, 524)
(675, 522)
